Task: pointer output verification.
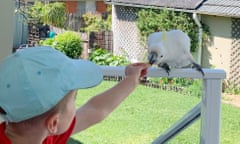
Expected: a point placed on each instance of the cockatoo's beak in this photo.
(152, 57)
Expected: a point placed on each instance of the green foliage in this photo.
(195, 89)
(54, 14)
(68, 42)
(206, 35)
(95, 23)
(47, 42)
(228, 87)
(103, 57)
(183, 82)
(35, 12)
(232, 89)
(190, 86)
(153, 20)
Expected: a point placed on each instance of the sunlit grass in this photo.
(147, 113)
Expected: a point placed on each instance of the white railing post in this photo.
(210, 105)
(210, 111)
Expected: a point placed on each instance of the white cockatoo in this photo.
(171, 49)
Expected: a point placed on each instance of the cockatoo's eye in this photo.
(161, 56)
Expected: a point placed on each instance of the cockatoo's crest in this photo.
(164, 36)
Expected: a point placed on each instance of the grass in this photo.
(148, 112)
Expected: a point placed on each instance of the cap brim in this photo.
(84, 74)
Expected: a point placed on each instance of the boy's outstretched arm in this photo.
(101, 105)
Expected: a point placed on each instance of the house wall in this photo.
(81, 7)
(90, 6)
(217, 54)
(101, 6)
(71, 6)
(6, 29)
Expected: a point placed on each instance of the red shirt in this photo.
(56, 139)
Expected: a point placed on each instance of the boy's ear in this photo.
(52, 123)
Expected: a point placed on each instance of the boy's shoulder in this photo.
(3, 137)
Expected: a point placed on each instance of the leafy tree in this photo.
(153, 20)
(35, 11)
(54, 14)
(51, 14)
(95, 22)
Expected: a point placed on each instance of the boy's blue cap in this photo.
(34, 80)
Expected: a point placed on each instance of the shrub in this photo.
(228, 87)
(103, 57)
(47, 42)
(96, 23)
(191, 87)
(68, 42)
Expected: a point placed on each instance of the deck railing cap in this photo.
(159, 72)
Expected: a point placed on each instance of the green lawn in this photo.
(148, 112)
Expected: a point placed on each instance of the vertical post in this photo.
(210, 111)
(85, 50)
(6, 27)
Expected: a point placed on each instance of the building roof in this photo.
(179, 4)
(229, 8)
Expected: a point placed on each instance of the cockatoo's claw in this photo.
(198, 67)
(166, 67)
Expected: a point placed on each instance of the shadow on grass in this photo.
(73, 141)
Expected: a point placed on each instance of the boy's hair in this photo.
(34, 80)
(2, 111)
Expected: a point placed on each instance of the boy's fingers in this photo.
(143, 72)
(145, 65)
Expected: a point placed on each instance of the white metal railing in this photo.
(209, 110)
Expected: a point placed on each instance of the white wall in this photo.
(6, 27)
(90, 6)
(219, 51)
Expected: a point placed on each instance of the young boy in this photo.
(38, 87)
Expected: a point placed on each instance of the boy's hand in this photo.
(137, 70)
